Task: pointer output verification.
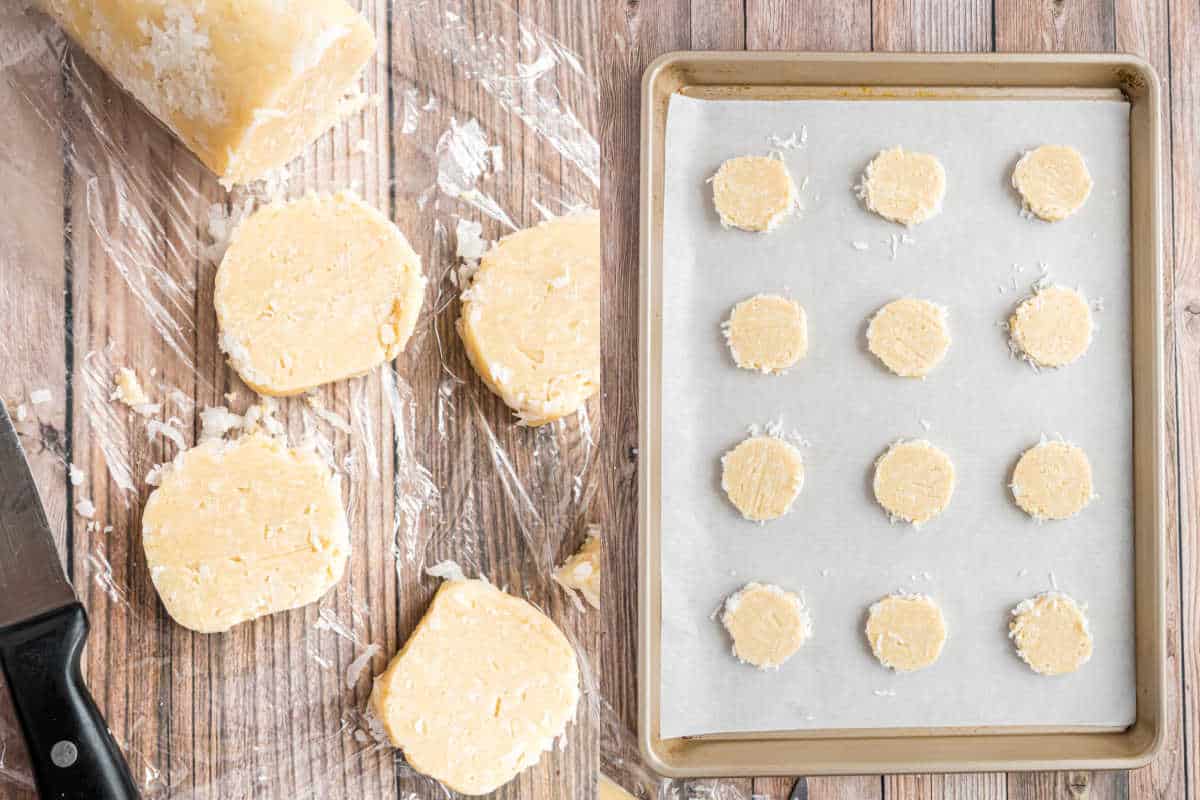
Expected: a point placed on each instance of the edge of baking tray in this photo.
(931, 749)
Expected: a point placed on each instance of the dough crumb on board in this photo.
(767, 624)
(904, 186)
(531, 318)
(1053, 328)
(1052, 480)
(767, 333)
(906, 631)
(1051, 633)
(762, 476)
(581, 572)
(1053, 181)
(914, 481)
(315, 290)
(753, 193)
(480, 690)
(910, 336)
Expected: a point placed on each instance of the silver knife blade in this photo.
(31, 576)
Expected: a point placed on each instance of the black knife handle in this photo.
(74, 756)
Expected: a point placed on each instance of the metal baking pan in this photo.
(790, 76)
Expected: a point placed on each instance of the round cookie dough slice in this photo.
(1053, 181)
(1051, 634)
(906, 631)
(1053, 328)
(762, 477)
(531, 318)
(315, 290)
(753, 193)
(1052, 480)
(483, 687)
(914, 481)
(909, 336)
(903, 186)
(766, 623)
(767, 333)
(237, 530)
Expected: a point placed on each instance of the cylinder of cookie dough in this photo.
(245, 84)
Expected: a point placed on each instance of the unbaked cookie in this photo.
(753, 193)
(1053, 328)
(1052, 480)
(909, 336)
(1053, 181)
(762, 477)
(767, 333)
(914, 481)
(906, 631)
(766, 623)
(1051, 634)
(904, 187)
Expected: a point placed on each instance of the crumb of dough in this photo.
(904, 186)
(754, 193)
(1051, 634)
(762, 477)
(767, 333)
(1052, 480)
(906, 631)
(767, 624)
(1053, 328)
(914, 481)
(910, 336)
(1053, 181)
(581, 571)
(128, 389)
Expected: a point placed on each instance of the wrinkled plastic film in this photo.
(424, 451)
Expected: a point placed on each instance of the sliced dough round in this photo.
(315, 290)
(909, 336)
(1052, 480)
(766, 623)
(904, 187)
(914, 481)
(1053, 328)
(531, 318)
(906, 631)
(1053, 181)
(480, 690)
(1051, 634)
(762, 476)
(753, 193)
(237, 530)
(767, 333)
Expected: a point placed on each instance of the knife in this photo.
(42, 631)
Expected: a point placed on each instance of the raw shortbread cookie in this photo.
(582, 571)
(481, 689)
(767, 333)
(766, 623)
(904, 187)
(1052, 328)
(753, 193)
(315, 290)
(762, 476)
(1052, 480)
(1051, 634)
(531, 318)
(1053, 181)
(909, 336)
(237, 530)
(906, 631)
(914, 481)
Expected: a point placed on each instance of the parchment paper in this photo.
(982, 406)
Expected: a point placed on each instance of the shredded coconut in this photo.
(39, 396)
(85, 508)
(356, 666)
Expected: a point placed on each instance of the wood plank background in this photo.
(86, 206)
(1165, 32)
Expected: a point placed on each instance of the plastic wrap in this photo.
(471, 113)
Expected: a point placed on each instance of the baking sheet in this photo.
(982, 556)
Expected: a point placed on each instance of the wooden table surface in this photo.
(1167, 34)
(442, 469)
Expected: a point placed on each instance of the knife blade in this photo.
(42, 632)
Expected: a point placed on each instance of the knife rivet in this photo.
(64, 753)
